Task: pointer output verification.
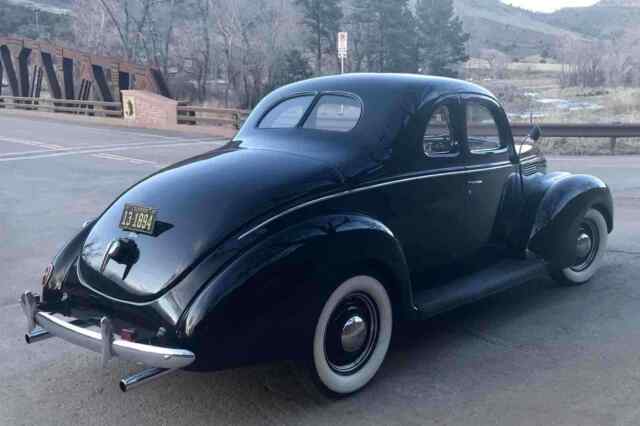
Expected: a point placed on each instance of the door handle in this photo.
(475, 182)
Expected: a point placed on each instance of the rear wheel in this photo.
(352, 336)
(591, 245)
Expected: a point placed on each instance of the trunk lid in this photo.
(199, 203)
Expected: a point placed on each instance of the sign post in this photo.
(343, 42)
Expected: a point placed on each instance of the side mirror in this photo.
(535, 134)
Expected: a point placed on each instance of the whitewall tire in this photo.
(352, 335)
(591, 247)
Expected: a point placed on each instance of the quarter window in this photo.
(439, 137)
(482, 131)
(286, 114)
(335, 113)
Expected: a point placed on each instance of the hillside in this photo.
(520, 32)
(618, 3)
(20, 20)
(496, 25)
(514, 31)
(605, 19)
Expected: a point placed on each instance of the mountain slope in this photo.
(605, 19)
(509, 29)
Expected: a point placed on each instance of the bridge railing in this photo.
(196, 115)
(70, 106)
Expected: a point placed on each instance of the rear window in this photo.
(286, 114)
(335, 113)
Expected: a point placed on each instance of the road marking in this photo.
(126, 132)
(48, 146)
(103, 130)
(123, 158)
(81, 147)
(62, 153)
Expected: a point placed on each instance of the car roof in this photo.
(387, 98)
(365, 84)
(389, 102)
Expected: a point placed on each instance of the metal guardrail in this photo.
(611, 131)
(95, 108)
(195, 115)
(562, 130)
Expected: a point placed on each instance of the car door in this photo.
(432, 223)
(487, 145)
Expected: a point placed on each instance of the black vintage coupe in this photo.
(344, 205)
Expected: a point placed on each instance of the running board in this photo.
(499, 277)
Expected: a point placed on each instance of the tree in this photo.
(144, 27)
(498, 62)
(322, 18)
(403, 49)
(290, 68)
(252, 33)
(384, 35)
(441, 37)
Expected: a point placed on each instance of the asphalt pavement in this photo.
(536, 355)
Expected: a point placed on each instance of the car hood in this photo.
(200, 202)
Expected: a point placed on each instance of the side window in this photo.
(439, 137)
(334, 113)
(286, 114)
(482, 131)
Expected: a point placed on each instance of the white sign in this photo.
(343, 42)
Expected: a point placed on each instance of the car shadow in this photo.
(424, 358)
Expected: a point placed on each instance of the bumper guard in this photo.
(41, 325)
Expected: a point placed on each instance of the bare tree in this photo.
(583, 64)
(251, 33)
(93, 30)
(498, 62)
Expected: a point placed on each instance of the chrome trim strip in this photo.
(492, 166)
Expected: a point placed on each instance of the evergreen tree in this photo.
(403, 47)
(322, 18)
(291, 67)
(386, 35)
(441, 37)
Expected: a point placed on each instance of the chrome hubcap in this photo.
(354, 334)
(351, 334)
(586, 246)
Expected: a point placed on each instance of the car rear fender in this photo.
(563, 198)
(63, 261)
(268, 297)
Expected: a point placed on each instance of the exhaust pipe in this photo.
(143, 377)
(36, 335)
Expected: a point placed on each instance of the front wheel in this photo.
(591, 245)
(352, 336)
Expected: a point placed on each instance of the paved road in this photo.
(535, 355)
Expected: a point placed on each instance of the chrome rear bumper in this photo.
(42, 324)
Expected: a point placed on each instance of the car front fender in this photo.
(261, 305)
(566, 197)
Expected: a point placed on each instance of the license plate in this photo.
(138, 219)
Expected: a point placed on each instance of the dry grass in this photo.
(587, 146)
